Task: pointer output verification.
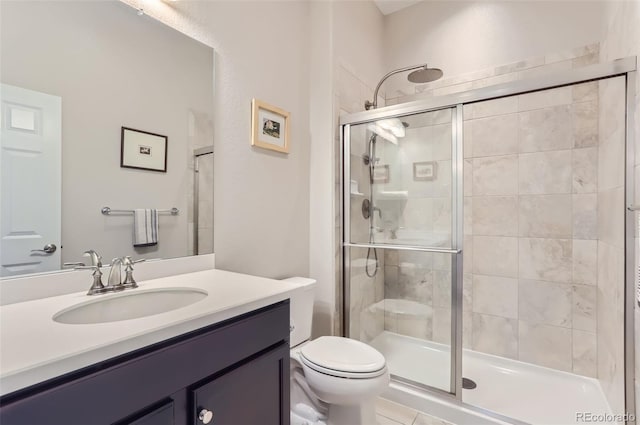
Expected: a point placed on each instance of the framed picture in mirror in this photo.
(143, 150)
(270, 127)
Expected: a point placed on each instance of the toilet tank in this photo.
(301, 309)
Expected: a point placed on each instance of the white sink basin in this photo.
(125, 306)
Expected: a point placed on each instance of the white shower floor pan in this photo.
(518, 390)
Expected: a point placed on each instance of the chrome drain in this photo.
(468, 384)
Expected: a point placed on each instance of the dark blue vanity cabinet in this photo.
(231, 373)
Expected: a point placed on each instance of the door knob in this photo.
(49, 248)
(205, 416)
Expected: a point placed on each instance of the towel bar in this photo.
(108, 210)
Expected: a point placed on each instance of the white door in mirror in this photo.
(30, 214)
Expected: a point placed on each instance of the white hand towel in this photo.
(145, 227)
(298, 420)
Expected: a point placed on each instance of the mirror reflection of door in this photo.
(31, 183)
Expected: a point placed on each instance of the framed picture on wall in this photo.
(143, 150)
(381, 174)
(425, 171)
(270, 127)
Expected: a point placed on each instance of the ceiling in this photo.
(387, 7)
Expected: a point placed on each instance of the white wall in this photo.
(359, 40)
(322, 263)
(461, 37)
(111, 68)
(344, 35)
(261, 215)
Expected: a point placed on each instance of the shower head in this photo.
(420, 74)
(425, 75)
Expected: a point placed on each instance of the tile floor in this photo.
(390, 413)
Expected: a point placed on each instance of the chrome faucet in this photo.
(114, 282)
(115, 275)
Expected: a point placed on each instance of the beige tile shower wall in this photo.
(421, 281)
(533, 165)
(529, 68)
(366, 318)
(531, 220)
(425, 217)
(366, 321)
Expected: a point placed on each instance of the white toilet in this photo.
(334, 380)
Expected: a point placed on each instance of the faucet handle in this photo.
(96, 287)
(129, 281)
(96, 269)
(96, 259)
(127, 261)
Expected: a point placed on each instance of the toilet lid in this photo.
(343, 354)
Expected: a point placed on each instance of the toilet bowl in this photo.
(334, 380)
(345, 374)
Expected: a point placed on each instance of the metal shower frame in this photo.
(197, 153)
(626, 68)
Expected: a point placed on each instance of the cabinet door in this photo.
(254, 393)
(151, 374)
(157, 415)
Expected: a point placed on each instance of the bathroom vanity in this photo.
(221, 360)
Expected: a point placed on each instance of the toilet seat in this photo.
(343, 358)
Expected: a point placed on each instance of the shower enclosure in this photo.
(487, 250)
(202, 200)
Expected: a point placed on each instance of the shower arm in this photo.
(373, 105)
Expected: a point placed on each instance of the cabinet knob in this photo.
(205, 416)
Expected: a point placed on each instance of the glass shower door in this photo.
(401, 242)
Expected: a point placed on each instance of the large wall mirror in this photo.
(73, 75)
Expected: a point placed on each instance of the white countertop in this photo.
(34, 348)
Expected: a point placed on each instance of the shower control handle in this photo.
(366, 209)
